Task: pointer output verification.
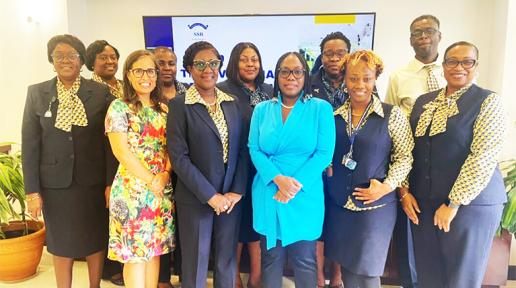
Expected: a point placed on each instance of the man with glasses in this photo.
(328, 84)
(421, 75)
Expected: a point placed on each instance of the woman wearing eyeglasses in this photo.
(291, 142)
(456, 189)
(208, 153)
(65, 167)
(141, 225)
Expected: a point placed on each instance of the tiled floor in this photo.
(45, 278)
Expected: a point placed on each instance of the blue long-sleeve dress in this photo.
(302, 148)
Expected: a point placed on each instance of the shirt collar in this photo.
(193, 97)
(417, 65)
(376, 108)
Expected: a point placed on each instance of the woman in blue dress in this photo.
(291, 141)
(372, 157)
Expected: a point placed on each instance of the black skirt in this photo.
(76, 220)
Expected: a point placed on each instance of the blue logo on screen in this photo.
(197, 24)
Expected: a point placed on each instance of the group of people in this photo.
(312, 167)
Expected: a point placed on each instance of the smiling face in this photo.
(69, 65)
(360, 81)
(248, 65)
(332, 54)
(425, 46)
(290, 86)
(458, 77)
(143, 85)
(167, 62)
(106, 63)
(206, 79)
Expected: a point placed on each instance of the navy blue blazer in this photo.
(195, 150)
(51, 157)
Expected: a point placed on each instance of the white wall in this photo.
(482, 22)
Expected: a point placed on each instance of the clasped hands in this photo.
(224, 202)
(443, 216)
(375, 191)
(158, 183)
(287, 188)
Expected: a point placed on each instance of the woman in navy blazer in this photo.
(67, 164)
(206, 148)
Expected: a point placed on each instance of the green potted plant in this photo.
(21, 239)
(497, 267)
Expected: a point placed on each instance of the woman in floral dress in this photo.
(141, 226)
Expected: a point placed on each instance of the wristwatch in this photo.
(453, 205)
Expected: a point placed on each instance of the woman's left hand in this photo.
(234, 198)
(444, 216)
(107, 195)
(375, 191)
(159, 182)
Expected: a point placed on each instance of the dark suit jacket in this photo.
(51, 157)
(195, 150)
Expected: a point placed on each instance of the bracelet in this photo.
(403, 196)
(33, 196)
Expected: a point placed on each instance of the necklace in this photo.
(287, 107)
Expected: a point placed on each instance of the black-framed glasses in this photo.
(138, 72)
(201, 65)
(62, 57)
(285, 73)
(427, 31)
(466, 63)
(339, 53)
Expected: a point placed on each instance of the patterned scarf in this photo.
(256, 96)
(70, 110)
(117, 90)
(337, 96)
(437, 112)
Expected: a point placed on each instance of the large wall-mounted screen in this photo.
(272, 34)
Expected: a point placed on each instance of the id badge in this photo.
(349, 162)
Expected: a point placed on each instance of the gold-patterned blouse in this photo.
(70, 110)
(402, 145)
(193, 97)
(117, 90)
(488, 134)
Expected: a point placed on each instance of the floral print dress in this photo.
(141, 225)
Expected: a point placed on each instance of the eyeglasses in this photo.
(249, 60)
(285, 73)
(62, 57)
(339, 53)
(201, 65)
(138, 72)
(104, 58)
(466, 63)
(427, 31)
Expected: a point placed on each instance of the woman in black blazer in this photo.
(245, 82)
(66, 161)
(205, 146)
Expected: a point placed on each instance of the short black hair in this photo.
(195, 48)
(336, 36)
(426, 17)
(461, 43)
(307, 84)
(96, 48)
(66, 39)
(232, 70)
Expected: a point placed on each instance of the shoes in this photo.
(341, 285)
(117, 279)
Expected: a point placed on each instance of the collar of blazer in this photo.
(84, 92)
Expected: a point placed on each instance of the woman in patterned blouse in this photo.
(204, 130)
(372, 157)
(102, 58)
(456, 189)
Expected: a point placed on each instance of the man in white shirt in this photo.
(424, 73)
(421, 75)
